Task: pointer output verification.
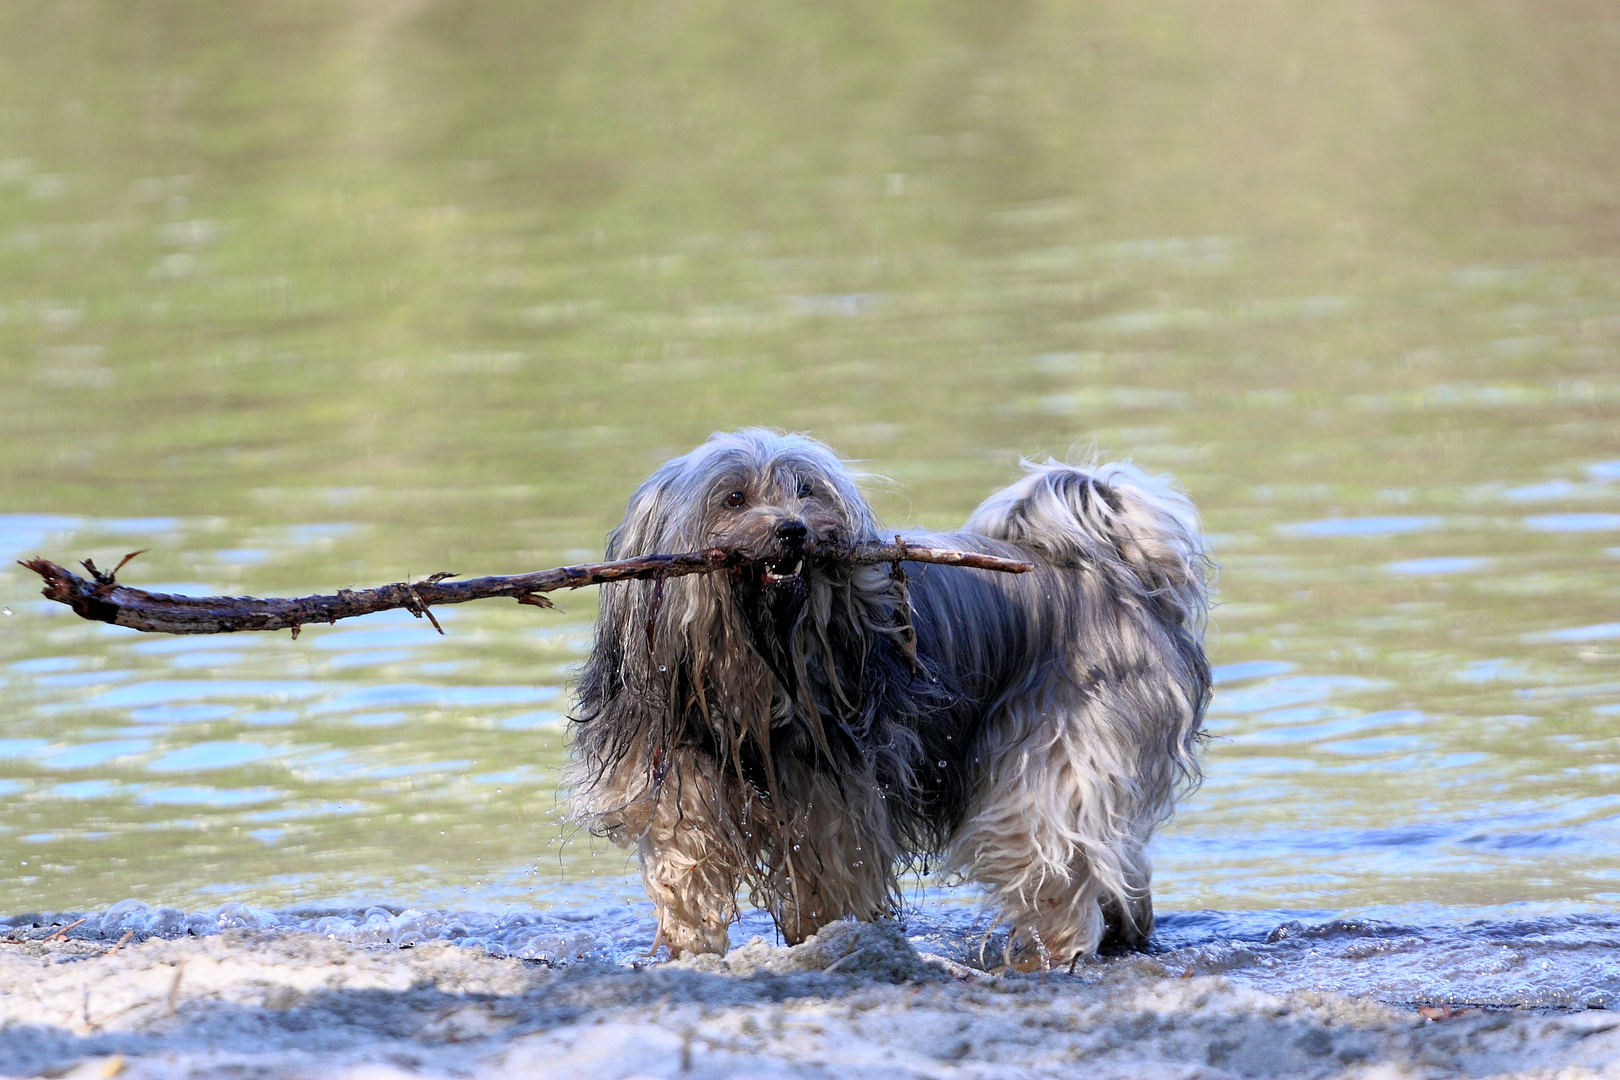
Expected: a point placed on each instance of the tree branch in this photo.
(101, 599)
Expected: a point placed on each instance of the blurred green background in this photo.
(315, 294)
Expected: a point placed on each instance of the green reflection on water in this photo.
(457, 276)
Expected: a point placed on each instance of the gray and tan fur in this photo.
(803, 732)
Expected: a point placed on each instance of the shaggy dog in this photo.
(807, 729)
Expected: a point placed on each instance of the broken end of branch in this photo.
(45, 569)
(86, 598)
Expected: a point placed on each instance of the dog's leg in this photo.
(1055, 834)
(838, 863)
(1129, 926)
(677, 825)
(687, 865)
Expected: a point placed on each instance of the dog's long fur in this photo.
(808, 730)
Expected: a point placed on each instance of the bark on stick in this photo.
(101, 598)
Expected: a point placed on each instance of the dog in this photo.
(804, 730)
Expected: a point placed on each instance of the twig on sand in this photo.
(174, 988)
(101, 598)
(61, 935)
(842, 960)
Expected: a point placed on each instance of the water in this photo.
(431, 287)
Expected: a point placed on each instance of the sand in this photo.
(856, 1001)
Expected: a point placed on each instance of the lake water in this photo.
(307, 296)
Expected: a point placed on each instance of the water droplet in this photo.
(857, 862)
(661, 667)
(942, 764)
(795, 847)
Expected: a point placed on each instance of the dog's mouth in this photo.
(783, 571)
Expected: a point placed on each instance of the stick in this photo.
(101, 599)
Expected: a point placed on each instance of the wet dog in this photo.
(805, 730)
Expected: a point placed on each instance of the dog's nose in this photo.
(792, 533)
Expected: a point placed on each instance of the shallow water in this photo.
(432, 286)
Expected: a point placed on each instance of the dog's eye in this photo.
(736, 498)
(804, 489)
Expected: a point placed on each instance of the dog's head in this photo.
(779, 500)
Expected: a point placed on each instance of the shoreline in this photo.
(857, 1000)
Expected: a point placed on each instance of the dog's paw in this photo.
(685, 939)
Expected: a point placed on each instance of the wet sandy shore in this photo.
(857, 1001)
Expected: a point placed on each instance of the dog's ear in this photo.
(651, 524)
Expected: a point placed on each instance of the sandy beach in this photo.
(856, 1001)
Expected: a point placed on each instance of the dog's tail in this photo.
(1110, 516)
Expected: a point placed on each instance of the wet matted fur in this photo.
(805, 731)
